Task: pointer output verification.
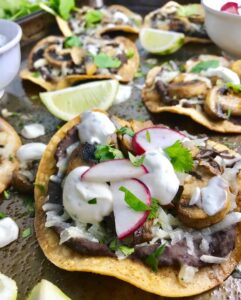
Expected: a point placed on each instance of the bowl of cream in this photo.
(10, 55)
(223, 24)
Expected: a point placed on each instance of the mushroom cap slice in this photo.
(220, 103)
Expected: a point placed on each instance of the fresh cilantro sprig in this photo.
(130, 53)
(137, 205)
(93, 17)
(125, 130)
(107, 152)
(136, 161)
(205, 65)
(60, 8)
(26, 232)
(152, 259)
(236, 88)
(72, 41)
(115, 246)
(2, 215)
(181, 157)
(104, 61)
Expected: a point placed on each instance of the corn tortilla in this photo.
(127, 71)
(163, 283)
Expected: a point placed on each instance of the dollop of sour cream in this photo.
(78, 195)
(8, 231)
(161, 180)
(33, 131)
(30, 152)
(95, 127)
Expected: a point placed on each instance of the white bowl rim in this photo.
(15, 40)
(218, 12)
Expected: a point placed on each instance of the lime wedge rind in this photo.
(160, 41)
(67, 103)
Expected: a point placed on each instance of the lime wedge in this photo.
(160, 41)
(46, 290)
(8, 288)
(67, 103)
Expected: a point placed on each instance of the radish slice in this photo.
(231, 8)
(155, 138)
(128, 220)
(113, 170)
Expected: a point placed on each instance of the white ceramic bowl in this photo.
(223, 28)
(10, 55)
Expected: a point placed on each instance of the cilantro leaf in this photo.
(115, 245)
(148, 136)
(28, 202)
(6, 195)
(205, 65)
(36, 74)
(2, 215)
(130, 53)
(132, 201)
(152, 259)
(107, 152)
(92, 201)
(181, 157)
(72, 41)
(65, 7)
(27, 232)
(41, 187)
(93, 17)
(104, 61)
(236, 88)
(125, 130)
(136, 161)
(154, 209)
(188, 10)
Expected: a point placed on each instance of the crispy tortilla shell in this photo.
(163, 283)
(66, 30)
(153, 102)
(127, 71)
(8, 164)
(188, 39)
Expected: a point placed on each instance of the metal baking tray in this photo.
(23, 260)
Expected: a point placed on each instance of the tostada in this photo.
(58, 62)
(187, 19)
(141, 202)
(206, 88)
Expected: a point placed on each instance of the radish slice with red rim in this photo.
(127, 220)
(155, 138)
(230, 7)
(113, 170)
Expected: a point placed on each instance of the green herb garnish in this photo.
(92, 201)
(104, 61)
(125, 130)
(28, 202)
(6, 195)
(205, 65)
(107, 152)
(137, 205)
(72, 41)
(2, 215)
(27, 232)
(148, 136)
(188, 10)
(154, 209)
(139, 74)
(181, 157)
(115, 245)
(132, 201)
(152, 259)
(136, 161)
(130, 53)
(61, 8)
(36, 74)
(93, 17)
(229, 113)
(236, 88)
